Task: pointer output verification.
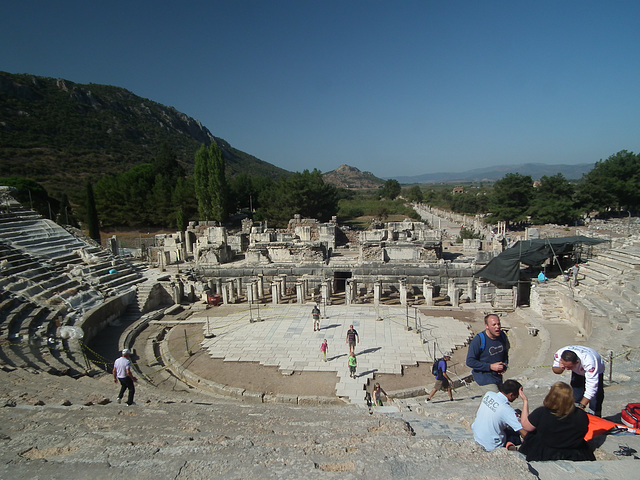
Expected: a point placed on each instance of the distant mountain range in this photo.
(491, 174)
(62, 134)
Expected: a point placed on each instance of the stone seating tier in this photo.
(628, 261)
(607, 266)
(25, 215)
(122, 281)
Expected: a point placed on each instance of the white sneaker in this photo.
(118, 400)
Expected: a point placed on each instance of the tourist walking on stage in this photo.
(443, 382)
(315, 313)
(353, 363)
(122, 373)
(352, 338)
(324, 348)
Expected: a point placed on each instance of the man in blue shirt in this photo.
(488, 354)
(443, 382)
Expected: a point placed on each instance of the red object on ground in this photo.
(600, 426)
(214, 299)
(630, 416)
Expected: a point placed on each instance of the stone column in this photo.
(260, 285)
(326, 292)
(428, 295)
(275, 292)
(454, 295)
(479, 293)
(232, 293)
(177, 293)
(451, 285)
(225, 294)
(238, 282)
(300, 293)
(377, 292)
(283, 285)
(471, 289)
(250, 293)
(403, 292)
(348, 292)
(254, 292)
(219, 286)
(113, 245)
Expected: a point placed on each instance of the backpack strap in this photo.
(503, 337)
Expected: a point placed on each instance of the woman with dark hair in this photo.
(557, 429)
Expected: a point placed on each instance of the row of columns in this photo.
(230, 290)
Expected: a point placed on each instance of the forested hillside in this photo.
(62, 134)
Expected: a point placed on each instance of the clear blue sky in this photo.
(395, 88)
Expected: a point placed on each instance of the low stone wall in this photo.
(577, 314)
(96, 319)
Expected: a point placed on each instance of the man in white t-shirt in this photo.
(122, 373)
(497, 424)
(587, 375)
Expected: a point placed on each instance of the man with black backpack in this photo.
(443, 382)
(488, 354)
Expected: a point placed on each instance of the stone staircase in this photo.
(608, 287)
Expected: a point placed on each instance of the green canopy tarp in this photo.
(505, 268)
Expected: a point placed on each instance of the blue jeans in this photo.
(578, 383)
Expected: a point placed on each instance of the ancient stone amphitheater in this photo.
(67, 307)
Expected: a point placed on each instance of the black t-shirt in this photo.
(567, 432)
(557, 438)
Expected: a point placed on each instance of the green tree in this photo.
(511, 197)
(391, 189)
(553, 201)
(414, 194)
(471, 202)
(184, 203)
(303, 193)
(159, 203)
(65, 215)
(126, 199)
(613, 184)
(166, 163)
(93, 223)
(211, 184)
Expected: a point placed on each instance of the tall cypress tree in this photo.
(211, 186)
(93, 223)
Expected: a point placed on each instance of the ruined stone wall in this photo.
(438, 274)
(577, 314)
(213, 254)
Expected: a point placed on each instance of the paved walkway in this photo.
(284, 338)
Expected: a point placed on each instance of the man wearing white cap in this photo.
(122, 373)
